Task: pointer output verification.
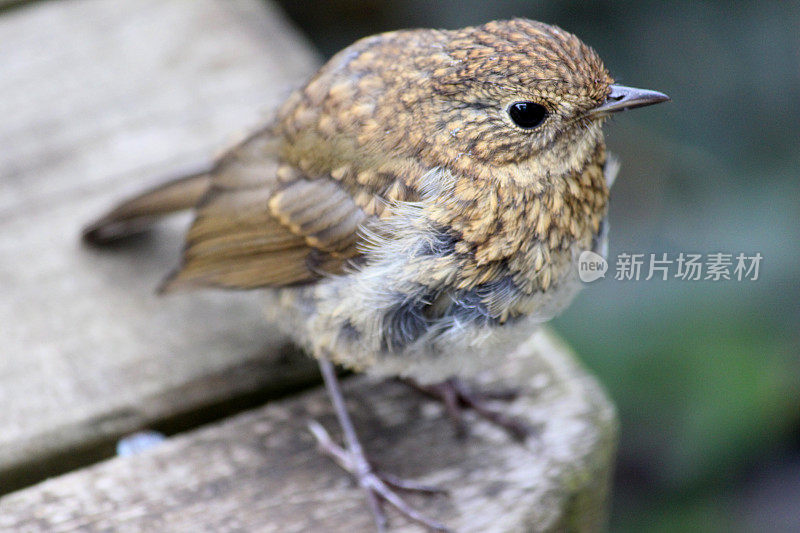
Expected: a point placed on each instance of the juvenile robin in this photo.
(415, 210)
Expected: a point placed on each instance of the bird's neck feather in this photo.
(526, 220)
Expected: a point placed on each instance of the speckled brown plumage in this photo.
(406, 220)
(396, 204)
(383, 113)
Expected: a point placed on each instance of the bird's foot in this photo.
(456, 395)
(378, 487)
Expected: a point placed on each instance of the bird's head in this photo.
(518, 92)
(514, 97)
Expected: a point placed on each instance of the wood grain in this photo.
(260, 471)
(99, 99)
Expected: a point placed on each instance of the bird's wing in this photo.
(265, 225)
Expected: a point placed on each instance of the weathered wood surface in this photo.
(260, 471)
(99, 99)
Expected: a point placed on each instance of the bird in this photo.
(415, 210)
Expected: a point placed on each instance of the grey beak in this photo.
(621, 98)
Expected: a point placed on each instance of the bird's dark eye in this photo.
(527, 115)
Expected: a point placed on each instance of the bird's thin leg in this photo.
(376, 487)
(477, 402)
(448, 395)
(454, 393)
(337, 399)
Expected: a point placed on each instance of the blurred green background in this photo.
(706, 375)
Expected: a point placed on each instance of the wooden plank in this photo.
(99, 99)
(260, 471)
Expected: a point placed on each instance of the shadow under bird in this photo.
(415, 210)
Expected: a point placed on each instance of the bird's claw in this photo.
(377, 486)
(455, 395)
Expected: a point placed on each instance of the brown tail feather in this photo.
(140, 212)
